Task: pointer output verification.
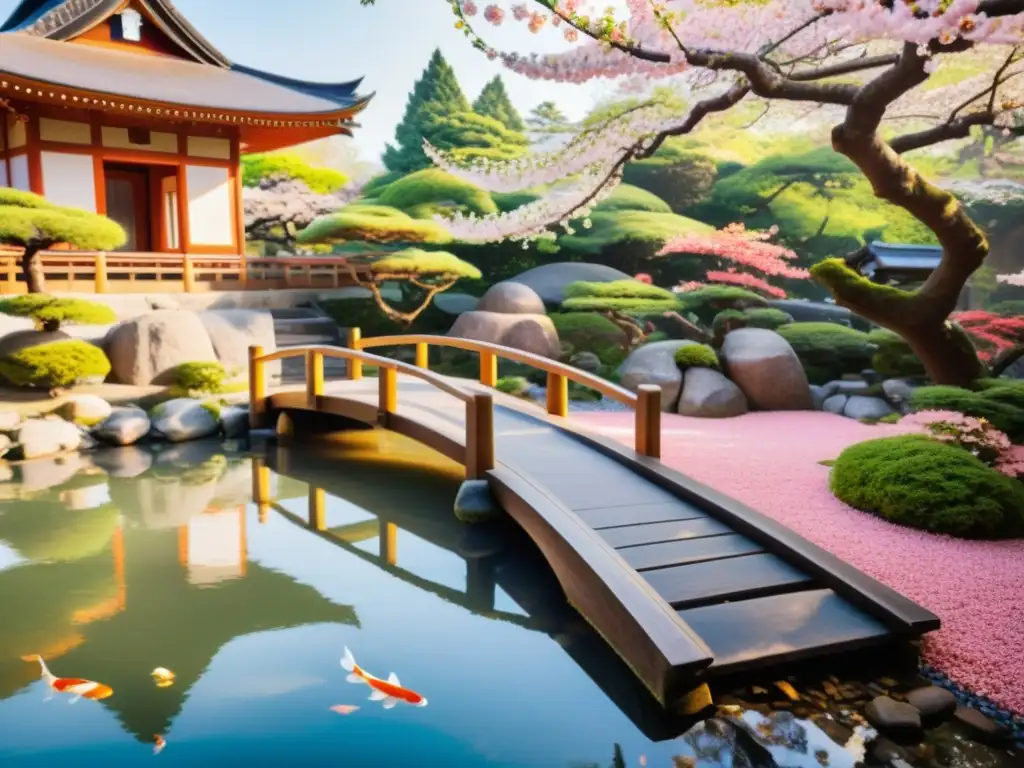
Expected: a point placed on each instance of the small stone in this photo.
(85, 410)
(932, 702)
(234, 421)
(586, 361)
(123, 427)
(9, 420)
(862, 407)
(474, 503)
(885, 750)
(897, 391)
(890, 715)
(818, 395)
(835, 404)
(183, 419)
(980, 727)
(45, 437)
(5, 444)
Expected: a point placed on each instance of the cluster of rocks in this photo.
(85, 422)
(760, 372)
(865, 396)
(513, 315)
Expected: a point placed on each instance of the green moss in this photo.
(766, 317)
(594, 304)
(922, 483)
(200, 377)
(57, 365)
(1005, 391)
(835, 275)
(697, 356)
(982, 405)
(629, 198)
(707, 302)
(284, 164)
(512, 385)
(610, 228)
(53, 312)
(828, 351)
(894, 358)
(415, 262)
(433, 185)
(374, 224)
(625, 289)
(377, 184)
(1011, 308)
(591, 332)
(212, 407)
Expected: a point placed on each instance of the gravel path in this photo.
(770, 462)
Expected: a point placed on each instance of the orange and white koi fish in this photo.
(159, 742)
(76, 686)
(389, 691)
(162, 677)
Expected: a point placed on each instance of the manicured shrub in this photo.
(56, 365)
(591, 332)
(200, 377)
(50, 312)
(1007, 391)
(626, 296)
(705, 303)
(893, 358)
(697, 356)
(1011, 308)
(981, 405)
(915, 481)
(512, 385)
(828, 351)
(766, 317)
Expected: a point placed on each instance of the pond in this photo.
(117, 563)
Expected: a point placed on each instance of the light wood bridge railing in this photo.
(645, 402)
(479, 406)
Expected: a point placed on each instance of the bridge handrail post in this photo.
(387, 402)
(648, 421)
(100, 273)
(257, 388)
(314, 377)
(188, 275)
(479, 435)
(422, 355)
(354, 341)
(558, 394)
(488, 369)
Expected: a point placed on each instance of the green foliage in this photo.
(29, 220)
(56, 365)
(366, 315)
(467, 136)
(680, 178)
(1011, 308)
(415, 262)
(286, 165)
(989, 404)
(433, 186)
(630, 198)
(623, 289)
(705, 303)
(509, 201)
(494, 102)
(894, 358)
(697, 356)
(378, 183)
(1006, 391)
(372, 223)
(53, 312)
(200, 377)
(915, 481)
(758, 317)
(618, 227)
(512, 385)
(591, 332)
(827, 351)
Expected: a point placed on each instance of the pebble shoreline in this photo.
(988, 708)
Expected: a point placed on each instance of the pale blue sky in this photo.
(389, 44)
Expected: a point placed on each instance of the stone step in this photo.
(291, 313)
(309, 325)
(305, 339)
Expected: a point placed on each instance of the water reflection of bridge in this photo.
(497, 556)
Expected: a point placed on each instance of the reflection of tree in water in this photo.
(781, 729)
(47, 531)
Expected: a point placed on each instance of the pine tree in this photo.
(546, 117)
(618, 759)
(437, 92)
(494, 102)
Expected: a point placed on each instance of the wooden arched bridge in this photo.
(681, 581)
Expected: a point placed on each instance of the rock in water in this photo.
(474, 503)
(234, 421)
(85, 410)
(123, 426)
(147, 349)
(708, 394)
(890, 715)
(45, 437)
(766, 368)
(655, 363)
(125, 462)
(932, 701)
(183, 419)
(980, 727)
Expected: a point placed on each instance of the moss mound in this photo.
(51, 312)
(697, 356)
(591, 332)
(56, 365)
(630, 296)
(200, 377)
(893, 357)
(915, 481)
(1011, 308)
(992, 404)
(827, 351)
(705, 303)
(434, 186)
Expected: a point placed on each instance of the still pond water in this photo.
(118, 563)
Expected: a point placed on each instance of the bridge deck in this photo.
(713, 590)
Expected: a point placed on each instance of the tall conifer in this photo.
(494, 102)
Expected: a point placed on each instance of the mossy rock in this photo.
(52, 312)
(915, 481)
(200, 377)
(57, 365)
(893, 358)
(828, 351)
(697, 356)
(995, 405)
(591, 332)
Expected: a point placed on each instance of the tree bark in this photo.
(32, 269)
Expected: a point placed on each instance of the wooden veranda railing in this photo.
(479, 406)
(645, 402)
(124, 272)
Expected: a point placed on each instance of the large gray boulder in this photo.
(708, 394)
(183, 419)
(529, 333)
(147, 349)
(766, 368)
(551, 280)
(655, 363)
(124, 426)
(511, 299)
(231, 332)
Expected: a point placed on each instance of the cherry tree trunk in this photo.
(946, 353)
(32, 269)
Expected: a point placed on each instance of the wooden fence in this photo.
(121, 272)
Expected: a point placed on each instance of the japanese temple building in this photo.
(121, 107)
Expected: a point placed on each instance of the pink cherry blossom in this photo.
(469, 8)
(745, 280)
(494, 14)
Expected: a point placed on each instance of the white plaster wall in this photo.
(208, 146)
(209, 205)
(68, 180)
(65, 131)
(16, 135)
(19, 173)
(159, 141)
